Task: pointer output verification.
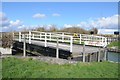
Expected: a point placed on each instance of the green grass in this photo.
(116, 43)
(28, 68)
(0, 69)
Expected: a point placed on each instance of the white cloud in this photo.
(103, 23)
(9, 25)
(38, 15)
(5, 27)
(55, 14)
(78, 25)
(21, 27)
(67, 25)
(4, 21)
(108, 22)
(49, 25)
(16, 23)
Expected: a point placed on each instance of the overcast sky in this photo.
(19, 15)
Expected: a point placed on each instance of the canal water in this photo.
(113, 56)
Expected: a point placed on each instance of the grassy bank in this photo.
(114, 44)
(28, 68)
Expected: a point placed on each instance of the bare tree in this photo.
(75, 29)
(53, 28)
(95, 30)
(41, 29)
(7, 40)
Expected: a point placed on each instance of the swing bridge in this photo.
(81, 45)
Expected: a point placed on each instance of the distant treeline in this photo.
(7, 37)
(70, 30)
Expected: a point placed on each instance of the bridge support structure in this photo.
(84, 53)
(105, 54)
(98, 56)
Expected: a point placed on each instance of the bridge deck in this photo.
(77, 49)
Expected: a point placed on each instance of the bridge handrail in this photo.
(63, 37)
(32, 35)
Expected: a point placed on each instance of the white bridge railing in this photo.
(44, 36)
(93, 40)
(62, 37)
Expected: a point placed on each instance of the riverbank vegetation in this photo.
(29, 68)
(114, 44)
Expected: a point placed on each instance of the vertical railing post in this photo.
(62, 37)
(13, 35)
(99, 55)
(33, 36)
(80, 39)
(50, 36)
(29, 37)
(45, 39)
(19, 36)
(102, 40)
(83, 52)
(105, 54)
(24, 46)
(71, 43)
(57, 49)
(90, 57)
(105, 41)
(40, 36)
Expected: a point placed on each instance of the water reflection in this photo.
(112, 56)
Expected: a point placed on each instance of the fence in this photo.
(63, 37)
(44, 36)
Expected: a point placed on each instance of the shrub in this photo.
(7, 40)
